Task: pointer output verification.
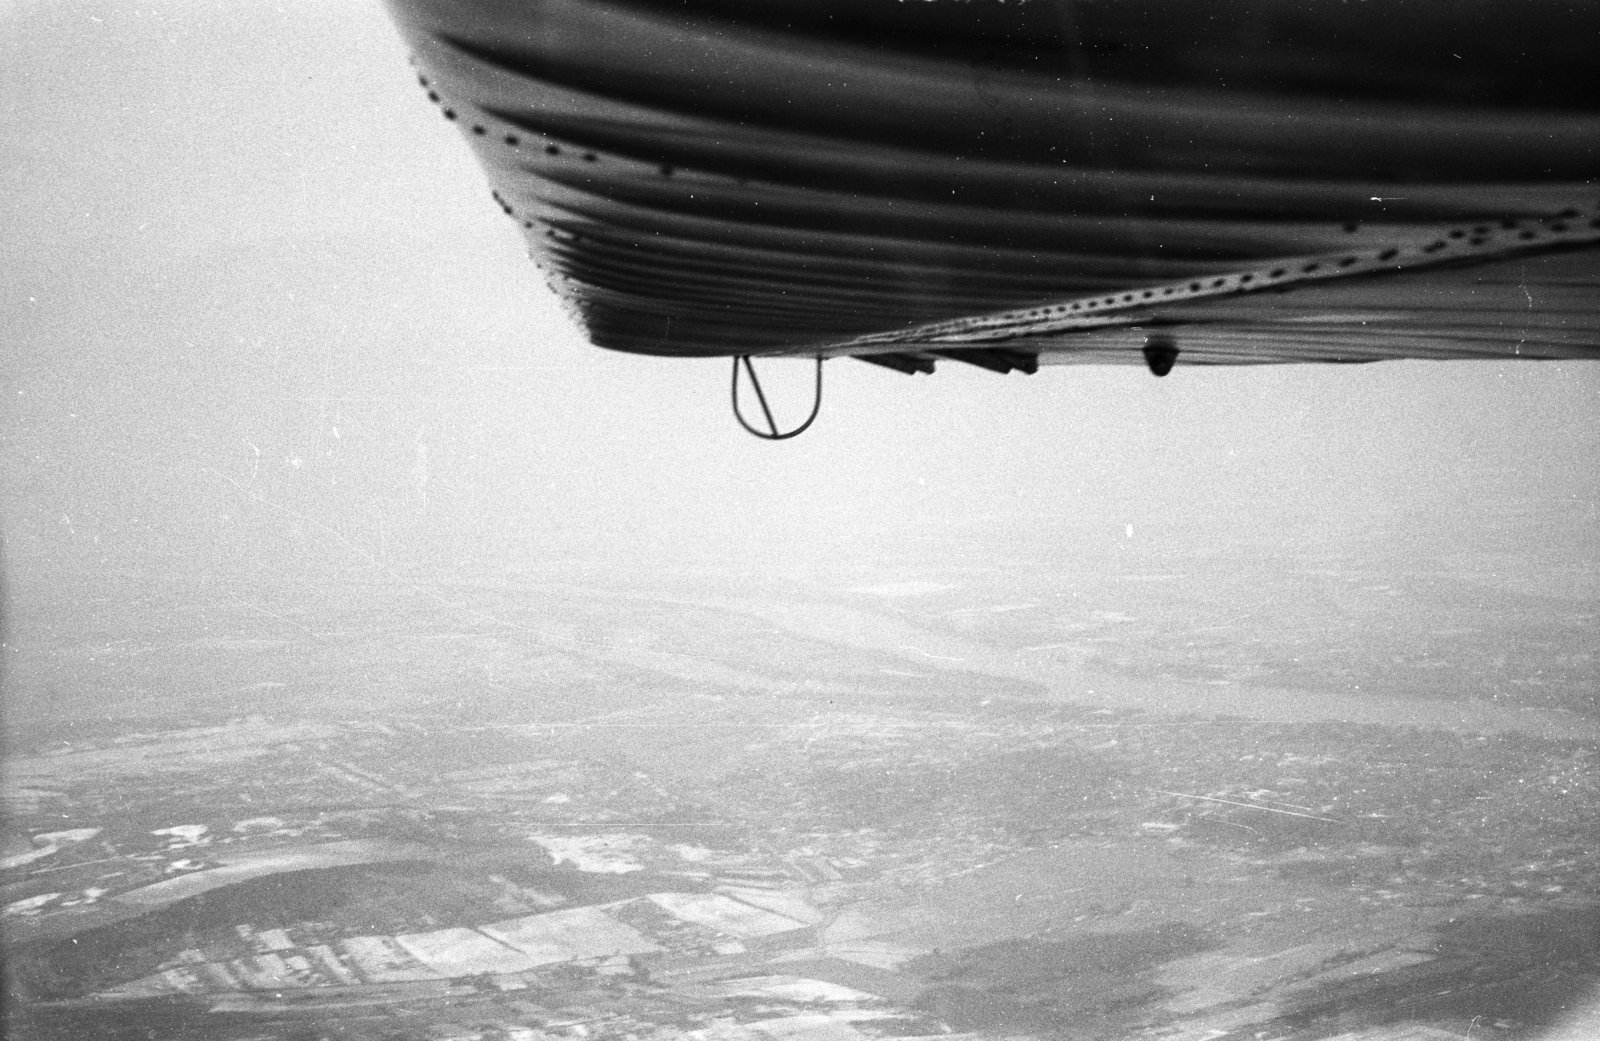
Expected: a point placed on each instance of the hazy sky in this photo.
(252, 283)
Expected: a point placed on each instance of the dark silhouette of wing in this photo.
(879, 178)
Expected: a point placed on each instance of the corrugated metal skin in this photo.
(712, 177)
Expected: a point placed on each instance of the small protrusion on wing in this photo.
(1160, 353)
(910, 364)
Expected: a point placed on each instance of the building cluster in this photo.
(661, 931)
(667, 966)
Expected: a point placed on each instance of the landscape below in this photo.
(999, 801)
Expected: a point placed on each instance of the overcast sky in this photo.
(253, 284)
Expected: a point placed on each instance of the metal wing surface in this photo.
(1011, 184)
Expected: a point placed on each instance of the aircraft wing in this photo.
(1011, 185)
(1457, 295)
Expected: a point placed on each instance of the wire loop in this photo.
(772, 425)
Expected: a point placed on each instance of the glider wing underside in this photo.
(704, 177)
